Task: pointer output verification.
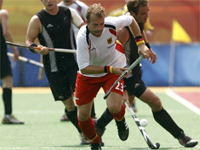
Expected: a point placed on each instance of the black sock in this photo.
(72, 115)
(7, 100)
(105, 119)
(165, 120)
(93, 114)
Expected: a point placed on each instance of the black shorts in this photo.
(5, 69)
(134, 85)
(62, 84)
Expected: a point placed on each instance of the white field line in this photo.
(84, 147)
(183, 101)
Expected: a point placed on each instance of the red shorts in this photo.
(88, 87)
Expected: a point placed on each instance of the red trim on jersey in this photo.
(89, 45)
(119, 47)
(113, 32)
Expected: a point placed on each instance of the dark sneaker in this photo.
(11, 120)
(96, 146)
(64, 118)
(123, 130)
(99, 132)
(84, 140)
(186, 140)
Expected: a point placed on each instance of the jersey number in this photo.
(119, 86)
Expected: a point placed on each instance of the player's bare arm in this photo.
(34, 28)
(76, 19)
(6, 32)
(152, 55)
(100, 69)
(122, 35)
(142, 49)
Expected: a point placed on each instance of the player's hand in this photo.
(119, 71)
(42, 50)
(16, 55)
(152, 58)
(144, 50)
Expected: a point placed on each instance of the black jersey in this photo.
(5, 68)
(57, 32)
(131, 49)
(3, 47)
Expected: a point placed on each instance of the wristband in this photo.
(108, 69)
(147, 44)
(139, 40)
(105, 69)
(111, 69)
(32, 47)
(138, 37)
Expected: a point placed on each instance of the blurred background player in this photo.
(139, 9)
(5, 70)
(81, 9)
(148, 28)
(52, 27)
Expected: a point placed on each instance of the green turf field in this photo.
(44, 131)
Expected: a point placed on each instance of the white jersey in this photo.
(103, 50)
(81, 9)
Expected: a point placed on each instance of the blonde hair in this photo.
(97, 9)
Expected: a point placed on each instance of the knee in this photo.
(83, 116)
(69, 104)
(156, 105)
(115, 108)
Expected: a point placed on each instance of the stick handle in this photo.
(41, 70)
(38, 48)
(128, 70)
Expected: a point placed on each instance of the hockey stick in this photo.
(38, 48)
(24, 59)
(144, 134)
(125, 72)
(41, 70)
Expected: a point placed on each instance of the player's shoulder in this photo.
(82, 32)
(3, 12)
(61, 3)
(63, 8)
(109, 20)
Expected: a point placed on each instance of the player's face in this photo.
(49, 4)
(96, 25)
(143, 14)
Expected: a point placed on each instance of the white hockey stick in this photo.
(30, 61)
(144, 133)
(38, 48)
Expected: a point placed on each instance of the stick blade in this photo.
(156, 146)
(106, 95)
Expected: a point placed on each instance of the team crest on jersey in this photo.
(109, 40)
